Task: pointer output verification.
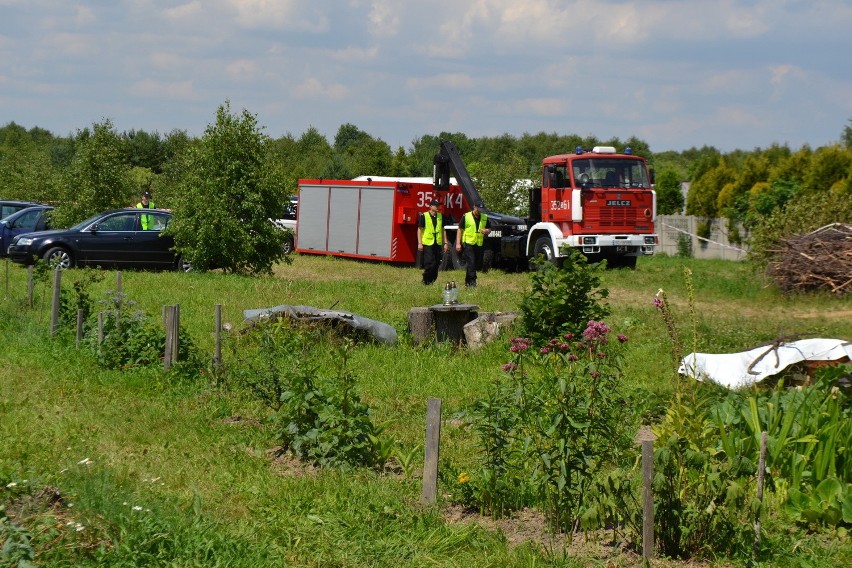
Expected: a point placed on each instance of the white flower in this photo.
(137, 508)
(11, 484)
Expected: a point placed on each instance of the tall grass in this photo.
(197, 455)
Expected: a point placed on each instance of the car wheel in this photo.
(183, 265)
(287, 247)
(58, 257)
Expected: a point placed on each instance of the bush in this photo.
(319, 419)
(563, 299)
(555, 420)
(132, 339)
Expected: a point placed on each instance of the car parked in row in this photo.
(26, 220)
(287, 221)
(9, 206)
(122, 238)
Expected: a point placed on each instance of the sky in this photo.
(734, 74)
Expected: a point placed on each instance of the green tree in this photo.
(827, 166)
(670, 199)
(26, 168)
(504, 184)
(846, 136)
(400, 164)
(704, 192)
(97, 179)
(229, 190)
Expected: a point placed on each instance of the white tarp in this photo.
(735, 370)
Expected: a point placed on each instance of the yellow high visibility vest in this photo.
(147, 220)
(471, 236)
(432, 234)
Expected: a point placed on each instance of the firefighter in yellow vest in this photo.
(471, 233)
(146, 203)
(431, 240)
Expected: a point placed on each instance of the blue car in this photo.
(7, 207)
(27, 220)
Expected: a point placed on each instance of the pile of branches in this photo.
(819, 260)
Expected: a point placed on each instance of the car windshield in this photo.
(83, 224)
(611, 172)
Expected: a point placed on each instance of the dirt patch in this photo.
(599, 548)
(286, 464)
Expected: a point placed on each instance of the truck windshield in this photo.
(610, 172)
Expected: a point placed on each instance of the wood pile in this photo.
(819, 260)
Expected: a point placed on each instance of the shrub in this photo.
(133, 339)
(555, 420)
(563, 299)
(684, 245)
(319, 419)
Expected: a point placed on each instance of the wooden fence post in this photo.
(119, 297)
(176, 333)
(30, 286)
(100, 328)
(171, 323)
(433, 443)
(54, 308)
(647, 499)
(167, 326)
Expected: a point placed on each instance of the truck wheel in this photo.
(58, 257)
(487, 259)
(544, 246)
(287, 246)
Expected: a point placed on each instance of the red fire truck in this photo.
(599, 202)
(372, 218)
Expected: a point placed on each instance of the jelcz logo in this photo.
(618, 203)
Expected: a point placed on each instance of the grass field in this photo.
(160, 469)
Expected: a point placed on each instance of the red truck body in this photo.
(374, 219)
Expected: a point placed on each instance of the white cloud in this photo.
(384, 17)
(541, 106)
(187, 11)
(443, 81)
(280, 14)
(153, 88)
(84, 16)
(312, 88)
(354, 54)
(242, 69)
